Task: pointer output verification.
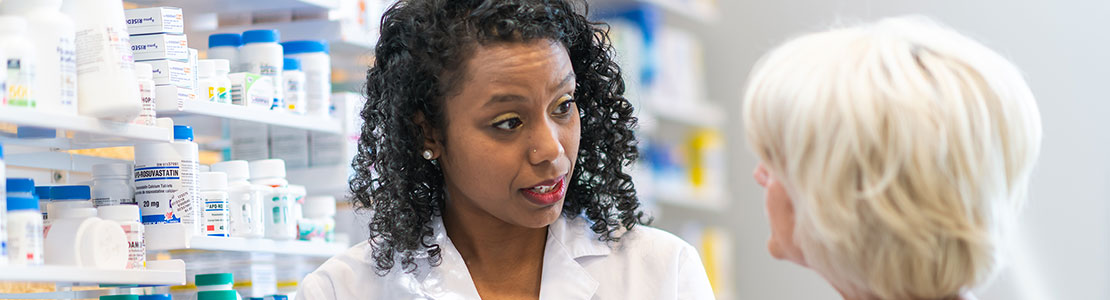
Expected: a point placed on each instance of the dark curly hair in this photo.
(419, 62)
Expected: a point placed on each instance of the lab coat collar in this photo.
(563, 276)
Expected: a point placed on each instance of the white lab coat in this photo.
(647, 263)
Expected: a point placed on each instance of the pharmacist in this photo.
(491, 160)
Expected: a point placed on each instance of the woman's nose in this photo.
(545, 144)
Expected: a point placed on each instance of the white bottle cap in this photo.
(76, 213)
(213, 181)
(236, 169)
(13, 25)
(267, 168)
(144, 71)
(119, 213)
(223, 66)
(319, 207)
(112, 169)
(206, 68)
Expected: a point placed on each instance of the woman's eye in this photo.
(508, 124)
(564, 107)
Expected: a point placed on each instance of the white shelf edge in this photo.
(54, 160)
(174, 275)
(269, 117)
(87, 130)
(169, 237)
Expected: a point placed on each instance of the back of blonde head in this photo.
(906, 148)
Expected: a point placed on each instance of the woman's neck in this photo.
(487, 243)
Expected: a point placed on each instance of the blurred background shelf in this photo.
(236, 5)
(171, 272)
(207, 111)
(30, 127)
(167, 237)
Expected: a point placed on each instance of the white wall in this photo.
(1064, 48)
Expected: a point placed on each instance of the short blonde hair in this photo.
(906, 148)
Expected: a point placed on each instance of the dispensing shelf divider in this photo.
(169, 272)
(166, 237)
(72, 131)
(270, 117)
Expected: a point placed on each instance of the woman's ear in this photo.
(433, 148)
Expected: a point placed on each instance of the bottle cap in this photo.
(119, 297)
(70, 192)
(182, 132)
(235, 169)
(156, 297)
(225, 39)
(308, 46)
(214, 279)
(20, 185)
(267, 168)
(291, 64)
(260, 36)
(217, 295)
(21, 203)
(43, 192)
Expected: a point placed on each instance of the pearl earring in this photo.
(428, 154)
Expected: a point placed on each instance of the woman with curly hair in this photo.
(492, 162)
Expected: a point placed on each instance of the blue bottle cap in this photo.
(43, 192)
(260, 36)
(70, 192)
(182, 132)
(156, 297)
(295, 47)
(21, 185)
(22, 203)
(225, 39)
(291, 64)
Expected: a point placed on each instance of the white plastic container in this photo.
(293, 83)
(261, 54)
(223, 82)
(112, 184)
(56, 82)
(225, 46)
(318, 224)
(145, 76)
(279, 201)
(213, 191)
(206, 83)
(21, 60)
(63, 197)
(127, 216)
(316, 65)
(24, 228)
(79, 238)
(106, 82)
(245, 200)
(165, 181)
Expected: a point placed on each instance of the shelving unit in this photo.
(55, 160)
(169, 272)
(211, 111)
(74, 131)
(168, 237)
(343, 39)
(697, 11)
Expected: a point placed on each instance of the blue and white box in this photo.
(160, 46)
(155, 20)
(172, 72)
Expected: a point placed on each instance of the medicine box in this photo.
(160, 46)
(251, 90)
(171, 98)
(172, 72)
(155, 20)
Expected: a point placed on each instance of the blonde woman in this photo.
(895, 156)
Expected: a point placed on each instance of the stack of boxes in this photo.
(158, 38)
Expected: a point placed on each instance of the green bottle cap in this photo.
(214, 279)
(217, 295)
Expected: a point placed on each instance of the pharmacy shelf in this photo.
(699, 11)
(331, 180)
(344, 39)
(57, 160)
(73, 131)
(168, 237)
(209, 110)
(207, 6)
(710, 202)
(697, 113)
(169, 272)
